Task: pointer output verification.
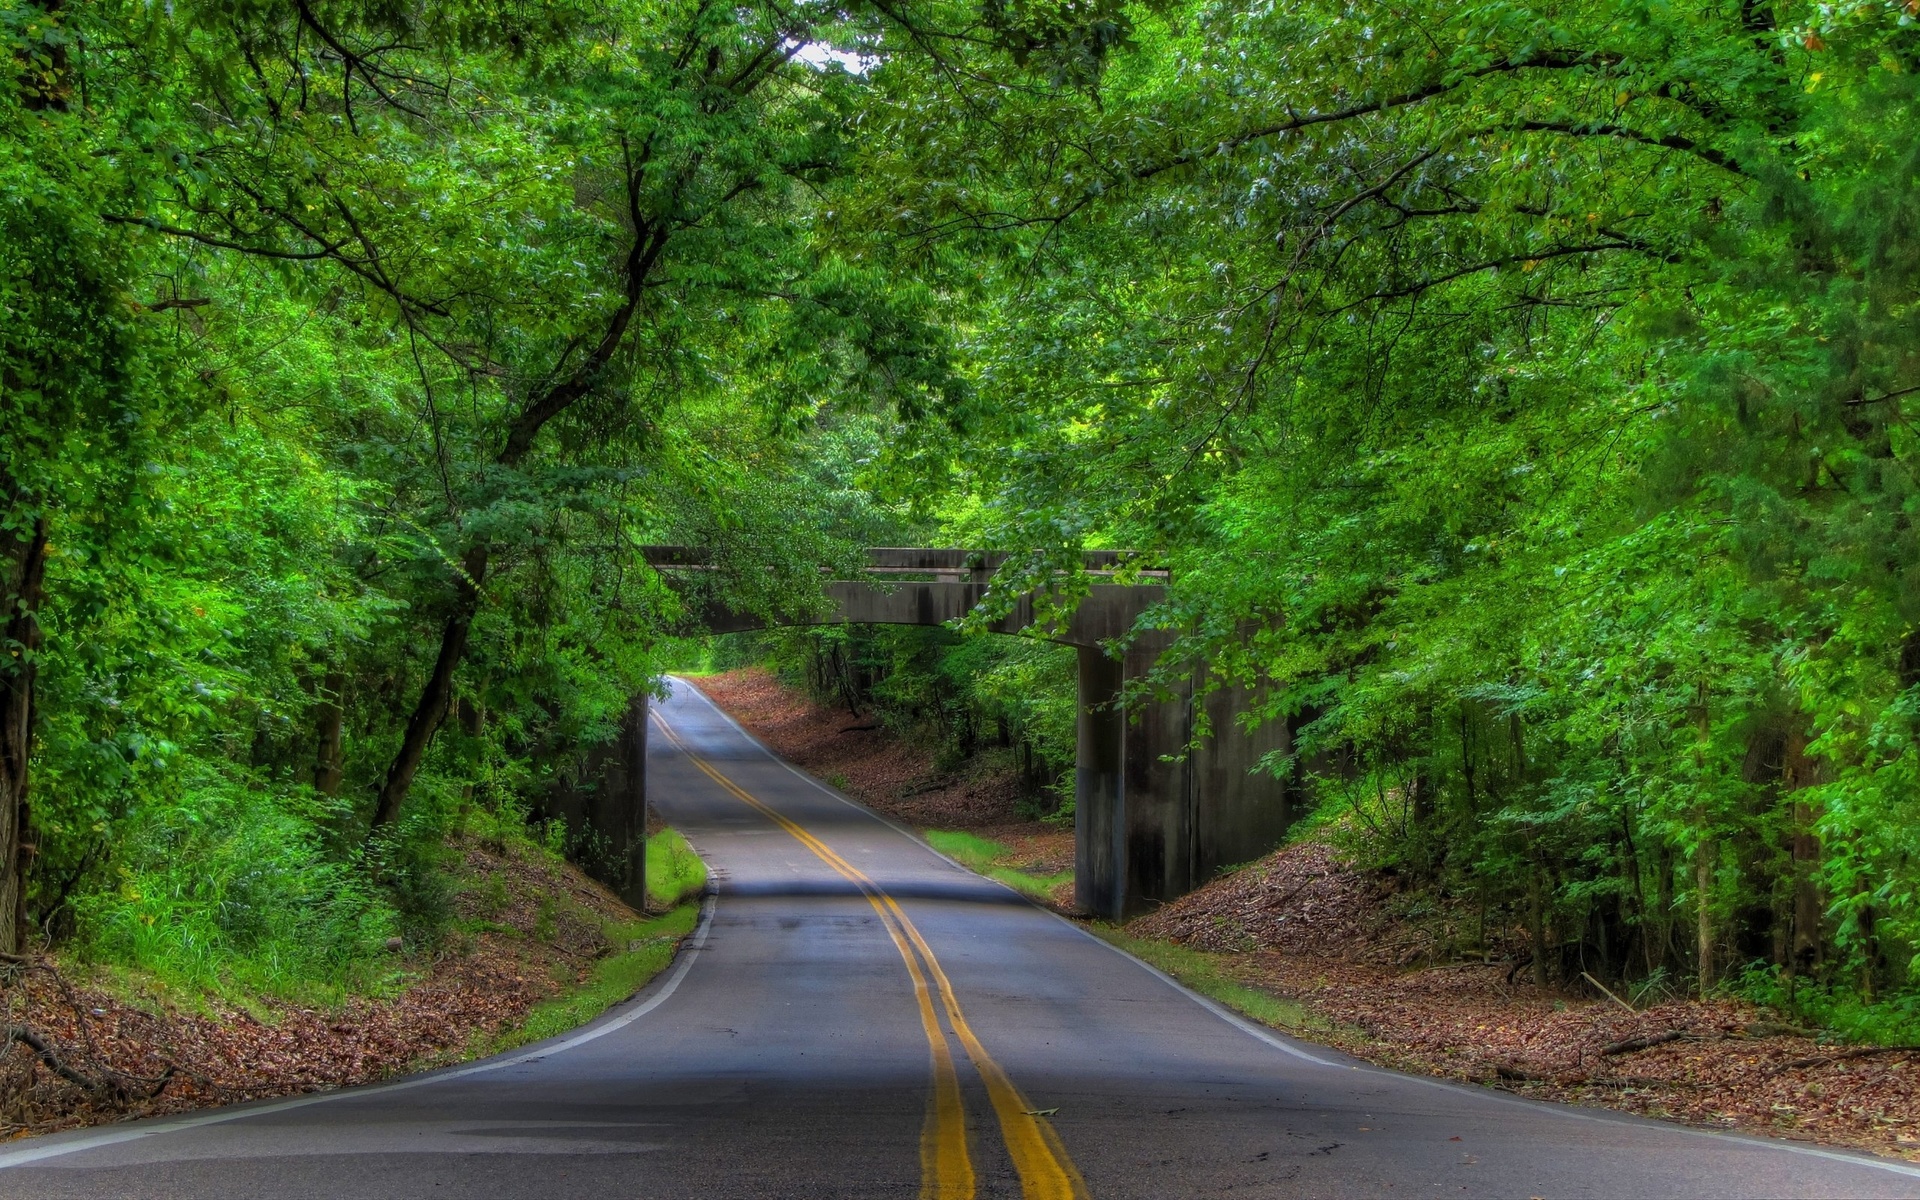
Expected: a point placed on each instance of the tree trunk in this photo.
(1703, 911)
(1517, 734)
(1703, 853)
(1635, 894)
(329, 735)
(1429, 851)
(26, 564)
(1537, 922)
(431, 709)
(1663, 898)
(1867, 929)
(473, 722)
(1800, 773)
(1466, 755)
(1869, 946)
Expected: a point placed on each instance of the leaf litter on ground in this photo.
(1302, 925)
(527, 928)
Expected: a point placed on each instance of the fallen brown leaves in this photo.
(1300, 901)
(526, 925)
(1301, 925)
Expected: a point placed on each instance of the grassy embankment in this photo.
(514, 945)
(675, 879)
(1204, 973)
(995, 861)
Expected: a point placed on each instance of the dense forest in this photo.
(1518, 393)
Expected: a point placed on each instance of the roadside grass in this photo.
(1203, 973)
(483, 898)
(642, 948)
(650, 946)
(991, 858)
(157, 994)
(226, 891)
(674, 871)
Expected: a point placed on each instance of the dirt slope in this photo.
(1302, 925)
(525, 927)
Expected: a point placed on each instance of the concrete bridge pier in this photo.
(1099, 828)
(1155, 814)
(604, 804)
(1240, 812)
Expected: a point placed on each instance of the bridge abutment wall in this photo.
(1099, 835)
(1156, 813)
(604, 804)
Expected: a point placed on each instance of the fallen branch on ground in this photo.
(934, 786)
(1630, 1045)
(1604, 992)
(1844, 1055)
(44, 1048)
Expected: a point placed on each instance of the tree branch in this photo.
(1881, 399)
(352, 62)
(220, 243)
(1668, 141)
(1554, 61)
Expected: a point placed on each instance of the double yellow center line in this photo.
(946, 1166)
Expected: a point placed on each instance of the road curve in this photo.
(857, 1016)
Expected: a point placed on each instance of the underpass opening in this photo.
(1153, 818)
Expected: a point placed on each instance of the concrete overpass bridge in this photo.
(1152, 821)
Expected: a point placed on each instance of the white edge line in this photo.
(694, 947)
(1262, 1034)
(1475, 1091)
(1213, 1006)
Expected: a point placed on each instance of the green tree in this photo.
(1518, 394)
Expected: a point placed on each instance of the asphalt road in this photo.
(857, 1016)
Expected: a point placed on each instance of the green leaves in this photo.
(1070, 40)
(1522, 396)
(329, 328)
(1518, 395)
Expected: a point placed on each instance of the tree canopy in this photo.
(1520, 393)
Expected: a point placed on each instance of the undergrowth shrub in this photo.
(411, 861)
(1850, 1014)
(226, 886)
(503, 821)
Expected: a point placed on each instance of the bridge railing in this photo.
(938, 562)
